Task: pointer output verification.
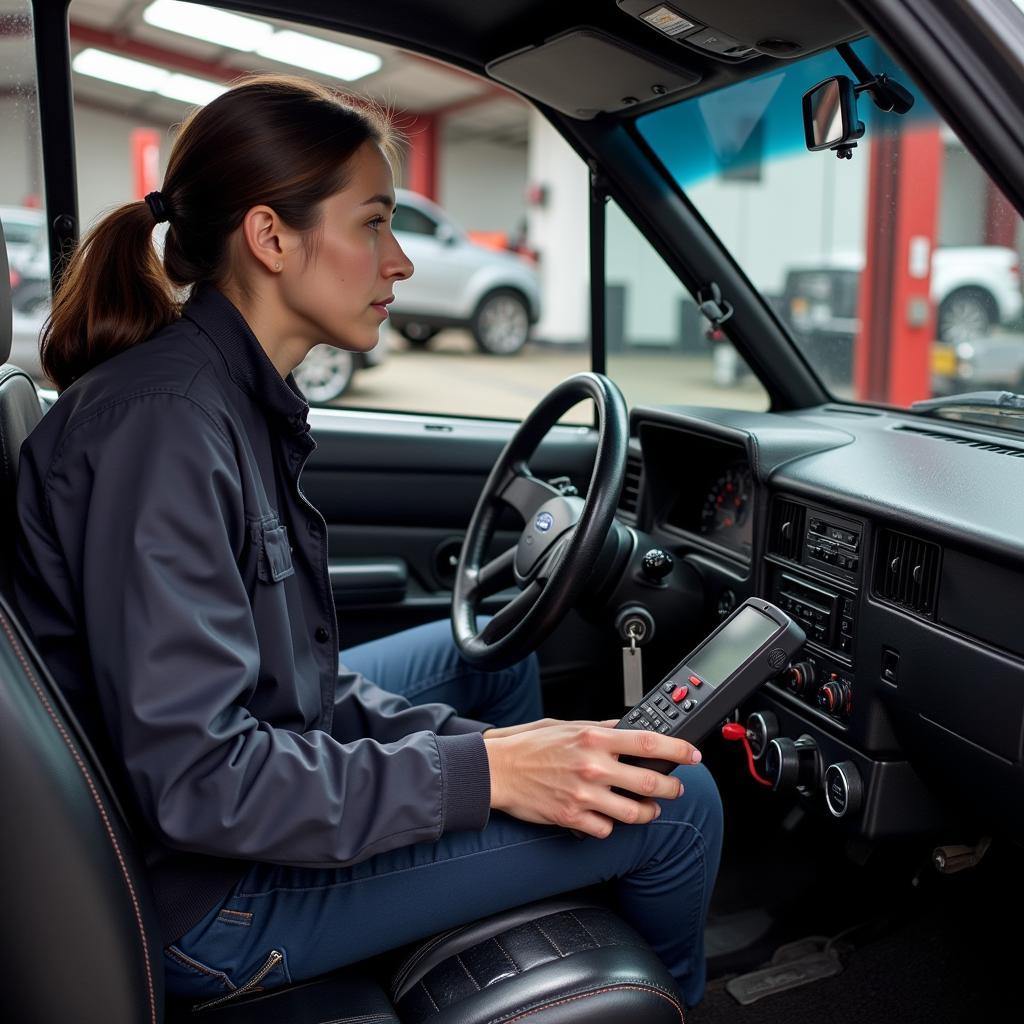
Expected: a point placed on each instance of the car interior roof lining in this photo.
(471, 35)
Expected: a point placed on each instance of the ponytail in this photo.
(278, 140)
(113, 294)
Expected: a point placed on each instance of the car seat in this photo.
(79, 940)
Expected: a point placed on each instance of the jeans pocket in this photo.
(272, 973)
(189, 978)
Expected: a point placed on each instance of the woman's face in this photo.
(340, 294)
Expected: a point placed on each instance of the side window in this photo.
(412, 221)
(494, 315)
(660, 348)
(21, 188)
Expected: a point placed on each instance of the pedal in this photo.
(794, 965)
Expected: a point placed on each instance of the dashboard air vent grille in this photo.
(629, 500)
(787, 532)
(907, 572)
(969, 442)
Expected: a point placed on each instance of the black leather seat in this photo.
(79, 941)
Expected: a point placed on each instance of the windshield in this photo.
(896, 271)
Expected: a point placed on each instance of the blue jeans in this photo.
(298, 923)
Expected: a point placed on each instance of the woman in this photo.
(295, 816)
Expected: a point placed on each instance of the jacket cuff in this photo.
(456, 726)
(466, 774)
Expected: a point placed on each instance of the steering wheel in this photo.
(562, 537)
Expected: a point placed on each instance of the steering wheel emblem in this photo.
(543, 522)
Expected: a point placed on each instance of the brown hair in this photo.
(277, 140)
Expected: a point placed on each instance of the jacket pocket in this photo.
(274, 556)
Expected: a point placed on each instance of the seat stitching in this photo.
(462, 964)
(99, 806)
(551, 941)
(590, 934)
(587, 995)
(508, 956)
(423, 985)
(403, 972)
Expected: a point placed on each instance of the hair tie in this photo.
(155, 202)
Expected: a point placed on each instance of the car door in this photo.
(444, 261)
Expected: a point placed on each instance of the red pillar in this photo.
(423, 155)
(893, 347)
(145, 160)
(1001, 219)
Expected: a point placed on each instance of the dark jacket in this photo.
(175, 580)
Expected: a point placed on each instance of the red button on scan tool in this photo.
(696, 680)
(679, 693)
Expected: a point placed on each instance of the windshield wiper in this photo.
(995, 406)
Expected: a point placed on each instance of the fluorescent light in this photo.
(319, 55)
(208, 23)
(146, 77)
(248, 34)
(121, 70)
(191, 90)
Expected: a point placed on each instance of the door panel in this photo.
(400, 488)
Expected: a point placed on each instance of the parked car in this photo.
(24, 232)
(975, 288)
(458, 283)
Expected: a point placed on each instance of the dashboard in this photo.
(898, 544)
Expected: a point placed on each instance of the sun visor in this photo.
(584, 73)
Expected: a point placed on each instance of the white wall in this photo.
(559, 232)
(482, 184)
(104, 160)
(20, 158)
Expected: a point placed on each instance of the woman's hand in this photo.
(562, 773)
(541, 723)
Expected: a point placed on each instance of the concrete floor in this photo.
(452, 376)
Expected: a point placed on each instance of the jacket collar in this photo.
(247, 362)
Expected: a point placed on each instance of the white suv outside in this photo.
(457, 283)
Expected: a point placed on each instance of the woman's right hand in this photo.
(563, 774)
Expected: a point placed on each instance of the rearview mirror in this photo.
(830, 116)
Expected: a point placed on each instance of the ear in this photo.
(266, 237)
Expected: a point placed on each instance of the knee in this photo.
(700, 806)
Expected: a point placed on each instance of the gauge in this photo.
(726, 513)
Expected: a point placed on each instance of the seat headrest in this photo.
(6, 329)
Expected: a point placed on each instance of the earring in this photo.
(277, 266)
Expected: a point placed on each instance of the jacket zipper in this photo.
(272, 961)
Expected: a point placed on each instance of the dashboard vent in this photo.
(787, 530)
(907, 572)
(629, 500)
(968, 442)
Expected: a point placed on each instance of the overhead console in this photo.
(783, 28)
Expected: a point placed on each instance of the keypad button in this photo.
(661, 703)
(633, 715)
(688, 705)
(672, 713)
(668, 687)
(657, 722)
(664, 729)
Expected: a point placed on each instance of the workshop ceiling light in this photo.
(320, 55)
(136, 74)
(251, 35)
(120, 70)
(208, 23)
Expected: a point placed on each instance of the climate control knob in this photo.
(799, 678)
(793, 764)
(834, 696)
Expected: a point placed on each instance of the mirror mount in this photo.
(830, 108)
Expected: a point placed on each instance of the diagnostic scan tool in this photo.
(754, 644)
